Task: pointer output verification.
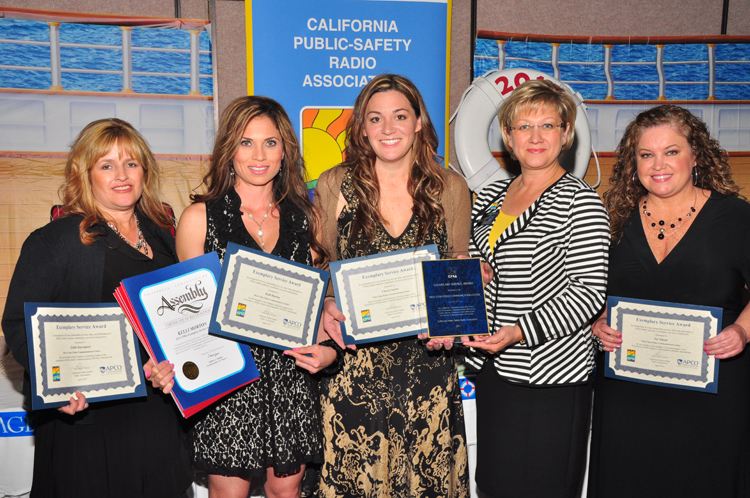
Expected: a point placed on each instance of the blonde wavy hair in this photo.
(425, 181)
(711, 169)
(531, 96)
(93, 143)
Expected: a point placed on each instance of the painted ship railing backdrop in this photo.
(592, 56)
(127, 49)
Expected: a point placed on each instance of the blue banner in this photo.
(315, 57)
(14, 424)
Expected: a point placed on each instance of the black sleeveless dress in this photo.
(274, 421)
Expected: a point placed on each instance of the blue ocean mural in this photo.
(633, 70)
(99, 68)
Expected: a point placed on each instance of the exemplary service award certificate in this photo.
(663, 343)
(81, 347)
(171, 308)
(454, 297)
(382, 296)
(268, 300)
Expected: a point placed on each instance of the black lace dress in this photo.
(274, 421)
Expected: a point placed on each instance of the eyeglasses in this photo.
(544, 128)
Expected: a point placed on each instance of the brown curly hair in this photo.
(425, 181)
(93, 143)
(289, 184)
(711, 171)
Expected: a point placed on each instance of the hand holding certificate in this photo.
(268, 300)
(382, 295)
(83, 347)
(662, 343)
(170, 309)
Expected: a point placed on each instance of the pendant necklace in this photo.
(260, 225)
(663, 228)
(141, 244)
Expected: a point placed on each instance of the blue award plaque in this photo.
(454, 298)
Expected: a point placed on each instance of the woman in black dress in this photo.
(115, 227)
(256, 196)
(681, 234)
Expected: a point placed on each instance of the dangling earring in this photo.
(695, 176)
(231, 172)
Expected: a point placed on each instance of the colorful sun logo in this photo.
(323, 139)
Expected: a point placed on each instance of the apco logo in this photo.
(366, 317)
(55, 374)
(189, 302)
(111, 369)
(292, 323)
(241, 308)
(14, 424)
(686, 363)
(631, 354)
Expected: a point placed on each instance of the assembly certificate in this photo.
(268, 300)
(382, 296)
(178, 310)
(89, 348)
(663, 343)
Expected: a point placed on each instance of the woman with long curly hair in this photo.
(680, 233)
(256, 197)
(392, 417)
(115, 227)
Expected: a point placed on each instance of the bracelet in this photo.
(338, 362)
(598, 344)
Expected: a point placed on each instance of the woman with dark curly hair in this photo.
(392, 417)
(681, 233)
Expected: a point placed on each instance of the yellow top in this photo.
(502, 222)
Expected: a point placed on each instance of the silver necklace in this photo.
(260, 225)
(141, 244)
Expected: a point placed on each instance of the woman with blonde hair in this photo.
(256, 196)
(544, 236)
(393, 419)
(115, 227)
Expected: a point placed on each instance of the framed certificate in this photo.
(382, 296)
(268, 300)
(170, 309)
(662, 343)
(81, 347)
(454, 297)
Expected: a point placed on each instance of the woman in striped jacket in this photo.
(544, 237)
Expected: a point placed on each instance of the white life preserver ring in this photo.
(476, 112)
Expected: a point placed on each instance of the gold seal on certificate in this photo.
(81, 347)
(190, 370)
(662, 343)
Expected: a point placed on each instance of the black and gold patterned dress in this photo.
(274, 421)
(393, 423)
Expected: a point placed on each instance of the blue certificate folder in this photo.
(48, 374)
(679, 363)
(184, 302)
(361, 326)
(454, 297)
(255, 304)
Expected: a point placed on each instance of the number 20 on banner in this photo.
(507, 87)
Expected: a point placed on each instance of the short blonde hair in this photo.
(93, 143)
(533, 95)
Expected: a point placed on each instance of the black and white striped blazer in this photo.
(550, 269)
